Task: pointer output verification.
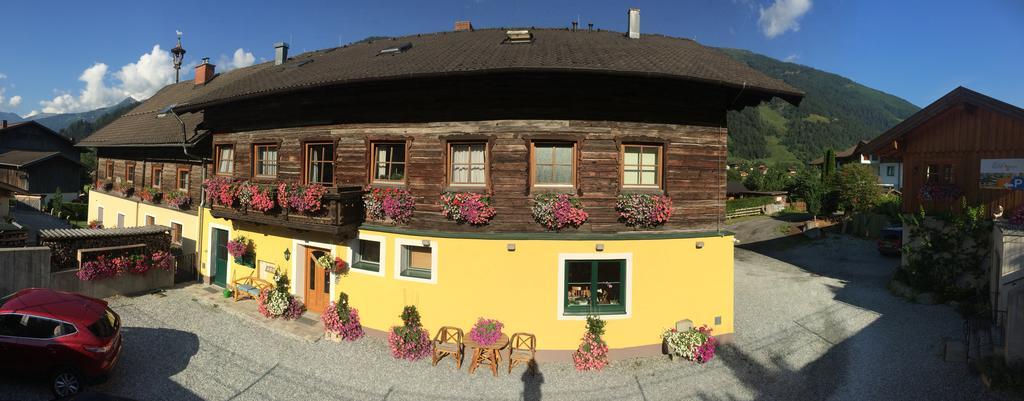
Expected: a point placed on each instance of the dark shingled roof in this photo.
(482, 51)
(15, 126)
(141, 126)
(103, 232)
(25, 158)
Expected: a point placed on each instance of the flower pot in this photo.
(227, 293)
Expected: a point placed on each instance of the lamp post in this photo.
(178, 53)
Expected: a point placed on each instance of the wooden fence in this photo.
(24, 268)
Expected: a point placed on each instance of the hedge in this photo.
(742, 203)
(77, 211)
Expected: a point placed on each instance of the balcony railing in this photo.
(344, 212)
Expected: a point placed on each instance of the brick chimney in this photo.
(204, 71)
(463, 26)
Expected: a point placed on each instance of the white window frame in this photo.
(121, 220)
(172, 223)
(563, 257)
(399, 244)
(353, 245)
(297, 279)
(99, 213)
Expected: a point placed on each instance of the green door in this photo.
(220, 257)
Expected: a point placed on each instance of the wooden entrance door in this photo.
(318, 282)
(220, 257)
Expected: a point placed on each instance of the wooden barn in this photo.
(964, 145)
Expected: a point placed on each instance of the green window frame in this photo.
(361, 261)
(420, 272)
(594, 291)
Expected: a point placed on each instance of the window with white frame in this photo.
(99, 214)
(120, 220)
(417, 261)
(366, 255)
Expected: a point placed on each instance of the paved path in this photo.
(818, 325)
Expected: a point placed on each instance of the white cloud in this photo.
(15, 101)
(30, 114)
(2, 76)
(783, 16)
(792, 57)
(240, 59)
(139, 80)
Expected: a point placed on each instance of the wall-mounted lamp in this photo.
(287, 254)
(599, 247)
(426, 243)
(700, 244)
(511, 247)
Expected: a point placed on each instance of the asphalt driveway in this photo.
(814, 321)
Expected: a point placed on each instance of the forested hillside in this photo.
(836, 113)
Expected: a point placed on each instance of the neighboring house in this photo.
(888, 170)
(143, 169)
(39, 160)
(490, 112)
(965, 144)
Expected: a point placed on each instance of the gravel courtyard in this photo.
(814, 321)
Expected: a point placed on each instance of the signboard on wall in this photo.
(1002, 174)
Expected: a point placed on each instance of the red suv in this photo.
(69, 337)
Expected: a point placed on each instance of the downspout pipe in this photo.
(202, 197)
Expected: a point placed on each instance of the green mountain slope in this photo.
(835, 113)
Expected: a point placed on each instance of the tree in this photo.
(829, 167)
(810, 187)
(858, 188)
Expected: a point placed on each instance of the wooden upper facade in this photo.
(165, 169)
(944, 144)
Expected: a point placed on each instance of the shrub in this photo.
(409, 341)
(644, 210)
(383, 204)
(743, 203)
(77, 211)
(592, 353)
(558, 211)
(858, 188)
(486, 331)
(467, 207)
(693, 344)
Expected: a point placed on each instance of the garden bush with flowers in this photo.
(694, 344)
(278, 302)
(467, 207)
(389, 204)
(342, 320)
(644, 210)
(106, 266)
(558, 211)
(410, 341)
(592, 353)
(486, 331)
(243, 250)
(178, 199)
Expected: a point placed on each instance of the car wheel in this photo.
(65, 382)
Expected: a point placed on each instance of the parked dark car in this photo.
(890, 242)
(67, 338)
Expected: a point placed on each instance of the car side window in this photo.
(42, 328)
(11, 326)
(25, 326)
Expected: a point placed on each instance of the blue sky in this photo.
(75, 55)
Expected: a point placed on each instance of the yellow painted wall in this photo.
(671, 280)
(135, 215)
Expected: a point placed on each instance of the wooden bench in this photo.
(250, 286)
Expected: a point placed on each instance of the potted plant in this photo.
(644, 210)
(486, 331)
(389, 205)
(467, 207)
(694, 344)
(558, 211)
(341, 322)
(178, 199)
(279, 302)
(410, 341)
(242, 250)
(332, 264)
(592, 354)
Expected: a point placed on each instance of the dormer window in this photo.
(518, 36)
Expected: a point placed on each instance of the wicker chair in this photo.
(448, 341)
(250, 286)
(522, 349)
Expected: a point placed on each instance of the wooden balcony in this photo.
(343, 215)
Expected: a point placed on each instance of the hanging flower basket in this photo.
(389, 205)
(467, 207)
(558, 211)
(242, 249)
(644, 210)
(332, 264)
